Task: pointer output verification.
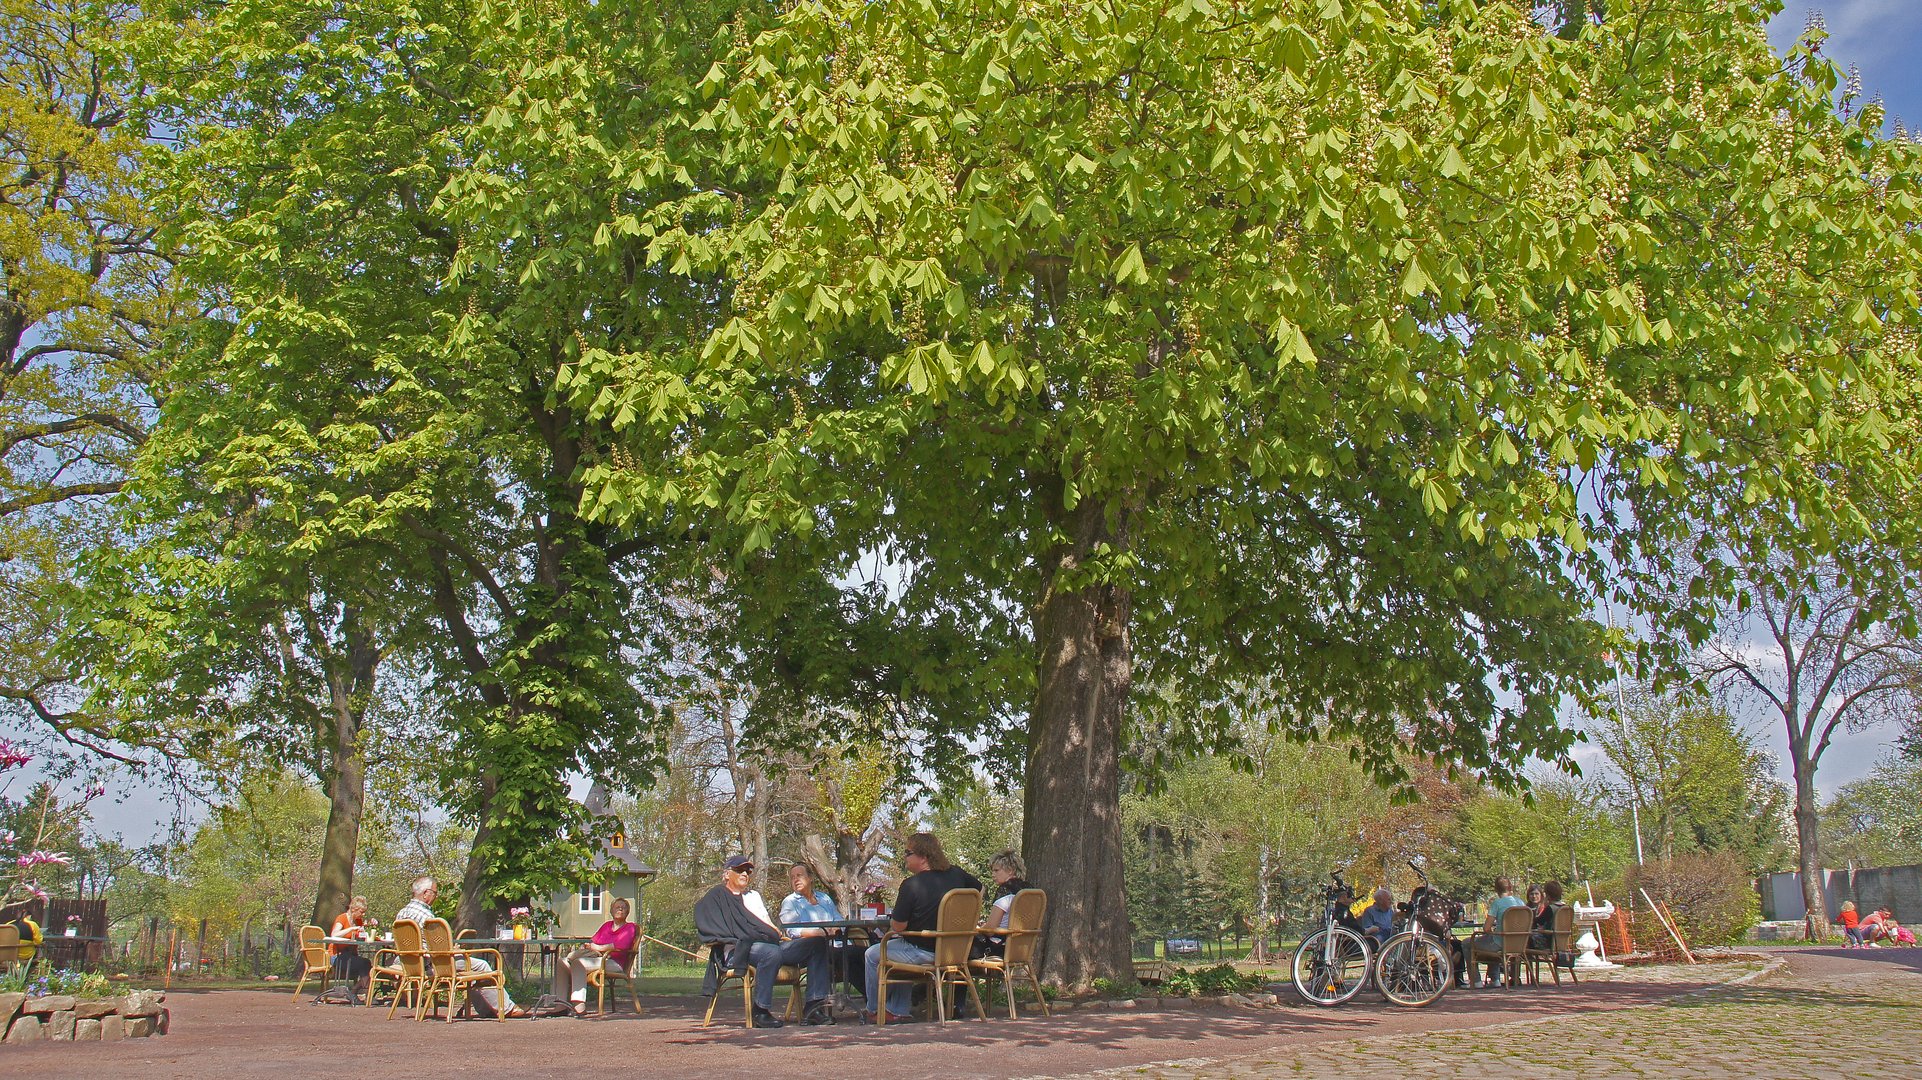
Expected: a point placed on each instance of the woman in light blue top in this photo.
(807, 904)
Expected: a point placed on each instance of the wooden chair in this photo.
(9, 946)
(1512, 944)
(1560, 952)
(790, 976)
(1023, 936)
(631, 975)
(315, 960)
(448, 968)
(951, 937)
(409, 971)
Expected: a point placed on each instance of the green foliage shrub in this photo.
(40, 981)
(1205, 982)
(1710, 894)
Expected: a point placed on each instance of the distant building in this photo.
(584, 908)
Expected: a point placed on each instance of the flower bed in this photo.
(66, 1018)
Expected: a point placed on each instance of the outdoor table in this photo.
(845, 1000)
(78, 944)
(549, 946)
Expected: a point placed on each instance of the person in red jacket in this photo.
(1851, 925)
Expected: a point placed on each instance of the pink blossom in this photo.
(41, 858)
(11, 756)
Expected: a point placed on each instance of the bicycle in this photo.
(1332, 964)
(1416, 967)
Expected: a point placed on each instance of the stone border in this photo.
(64, 1018)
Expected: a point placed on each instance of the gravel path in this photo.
(1847, 1013)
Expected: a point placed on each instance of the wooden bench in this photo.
(1155, 973)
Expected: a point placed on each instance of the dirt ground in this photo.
(265, 1033)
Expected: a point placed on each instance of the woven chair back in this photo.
(408, 948)
(959, 912)
(1030, 907)
(439, 941)
(1564, 929)
(313, 950)
(1516, 924)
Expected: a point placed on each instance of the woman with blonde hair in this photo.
(1010, 876)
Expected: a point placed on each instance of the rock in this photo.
(60, 1027)
(95, 1008)
(10, 1008)
(165, 1016)
(1240, 1000)
(142, 1003)
(86, 1031)
(1125, 1003)
(52, 1003)
(139, 1027)
(25, 1030)
(113, 1028)
(1266, 999)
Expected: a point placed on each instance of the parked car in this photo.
(1183, 946)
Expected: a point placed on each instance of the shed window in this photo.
(590, 899)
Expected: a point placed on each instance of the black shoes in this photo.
(766, 1019)
(820, 1012)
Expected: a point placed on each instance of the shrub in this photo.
(42, 981)
(1710, 895)
(1203, 982)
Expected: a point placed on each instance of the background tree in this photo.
(1697, 778)
(389, 400)
(1877, 820)
(1828, 651)
(85, 292)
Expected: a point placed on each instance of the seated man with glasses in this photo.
(732, 911)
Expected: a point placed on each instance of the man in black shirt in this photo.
(916, 907)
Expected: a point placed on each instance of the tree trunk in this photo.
(474, 903)
(348, 694)
(1072, 824)
(1808, 856)
(1264, 908)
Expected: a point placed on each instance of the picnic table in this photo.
(548, 946)
(838, 929)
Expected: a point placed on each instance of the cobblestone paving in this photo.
(1822, 1015)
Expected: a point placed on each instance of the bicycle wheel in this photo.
(1413, 970)
(1330, 979)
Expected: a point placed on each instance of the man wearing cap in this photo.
(734, 912)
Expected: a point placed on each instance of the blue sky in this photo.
(1879, 36)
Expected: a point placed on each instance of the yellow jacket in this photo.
(30, 937)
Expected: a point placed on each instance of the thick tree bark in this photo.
(1072, 824)
(474, 901)
(350, 686)
(1808, 850)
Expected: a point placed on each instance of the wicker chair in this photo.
(449, 969)
(630, 975)
(9, 946)
(1023, 936)
(315, 960)
(1560, 952)
(790, 976)
(1512, 940)
(409, 971)
(951, 938)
